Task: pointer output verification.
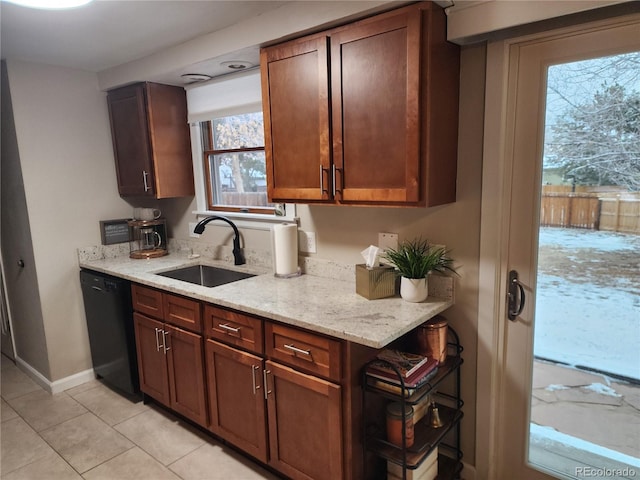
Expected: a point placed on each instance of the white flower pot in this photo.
(414, 290)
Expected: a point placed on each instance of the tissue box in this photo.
(376, 282)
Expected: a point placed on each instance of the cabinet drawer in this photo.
(182, 312)
(147, 300)
(234, 328)
(308, 351)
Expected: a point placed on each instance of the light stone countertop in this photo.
(318, 303)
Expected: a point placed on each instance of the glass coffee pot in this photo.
(147, 238)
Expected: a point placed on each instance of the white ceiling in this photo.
(107, 33)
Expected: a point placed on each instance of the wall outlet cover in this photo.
(307, 242)
(387, 240)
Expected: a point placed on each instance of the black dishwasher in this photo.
(107, 304)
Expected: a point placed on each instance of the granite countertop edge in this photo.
(319, 304)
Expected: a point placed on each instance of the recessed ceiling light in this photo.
(50, 4)
(195, 77)
(237, 64)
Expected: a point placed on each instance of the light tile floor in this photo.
(90, 432)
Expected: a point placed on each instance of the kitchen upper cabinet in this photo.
(364, 114)
(151, 140)
(296, 119)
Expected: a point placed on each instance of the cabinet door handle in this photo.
(335, 180)
(145, 174)
(322, 189)
(256, 387)
(266, 385)
(295, 349)
(229, 328)
(333, 172)
(158, 330)
(164, 341)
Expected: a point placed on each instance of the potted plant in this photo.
(414, 260)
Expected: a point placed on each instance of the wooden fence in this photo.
(620, 215)
(590, 210)
(248, 199)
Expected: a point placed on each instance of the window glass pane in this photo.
(238, 179)
(238, 131)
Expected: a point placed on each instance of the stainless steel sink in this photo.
(205, 275)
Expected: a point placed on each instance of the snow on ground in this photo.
(588, 300)
(601, 389)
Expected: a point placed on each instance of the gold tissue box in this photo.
(376, 282)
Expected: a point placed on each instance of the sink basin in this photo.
(205, 275)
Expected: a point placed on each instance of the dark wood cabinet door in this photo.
(170, 141)
(152, 363)
(131, 143)
(375, 71)
(295, 90)
(151, 140)
(305, 424)
(236, 398)
(186, 373)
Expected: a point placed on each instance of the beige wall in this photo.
(67, 163)
(21, 282)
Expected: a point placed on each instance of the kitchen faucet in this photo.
(237, 252)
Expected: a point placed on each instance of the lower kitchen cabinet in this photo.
(301, 416)
(152, 362)
(305, 424)
(236, 398)
(170, 366)
(289, 397)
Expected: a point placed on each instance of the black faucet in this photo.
(237, 252)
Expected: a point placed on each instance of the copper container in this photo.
(432, 338)
(394, 424)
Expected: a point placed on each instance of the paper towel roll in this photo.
(285, 249)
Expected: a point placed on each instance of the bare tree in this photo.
(595, 138)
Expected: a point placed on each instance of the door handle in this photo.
(165, 334)
(145, 174)
(265, 374)
(158, 330)
(515, 296)
(256, 387)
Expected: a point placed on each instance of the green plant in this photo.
(416, 258)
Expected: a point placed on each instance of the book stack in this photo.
(416, 370)
(428, 470)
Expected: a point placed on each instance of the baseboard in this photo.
(72, 381)
(58, 385)
(468, 471)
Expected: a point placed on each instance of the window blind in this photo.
(223, 96)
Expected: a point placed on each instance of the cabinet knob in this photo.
(21, 263)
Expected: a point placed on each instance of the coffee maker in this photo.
(147, 238)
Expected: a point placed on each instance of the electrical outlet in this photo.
(387, 240)
(307, 242)
(192, 225)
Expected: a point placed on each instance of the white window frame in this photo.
(219, 98)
